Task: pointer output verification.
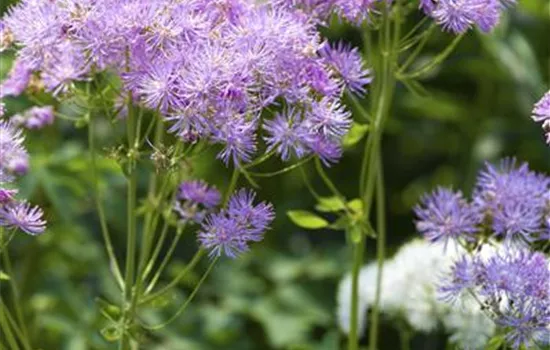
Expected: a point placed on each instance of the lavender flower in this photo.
(23, 216)
(230, 231)
(285, 134)
(14, 159)
(514, 286)
(209, 69)
(199, 192)
(458, 16)
(35, 117)
(515, 199)
(17, 81)
(445, 215)
(541, 113)
(348, 66)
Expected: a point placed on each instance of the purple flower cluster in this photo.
(514, 287)
(353, 11)
(230, 230)
(458, 16)
(34, 117)
(541, 113)
(195, 199)
(14, 161)
(210, 67)
(509, 201)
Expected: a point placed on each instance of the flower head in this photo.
(199, 192)
(541, 113)
(515, 198)
(14, 159)
(35, 117)
(348, 65)
(23, 216)
(230, 231)
(445, 215)
(458, 16)
(285, 134)
(17, 81)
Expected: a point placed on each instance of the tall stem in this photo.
(380, 252)
(99, 207)
(16, 300)
(131, 224)
(382, 96)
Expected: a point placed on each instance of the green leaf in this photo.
(330, 204)
(356, 205)
(355, 134)
(4, 276)
(306, 219)
(495, 343)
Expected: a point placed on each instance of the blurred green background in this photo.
(282, 294)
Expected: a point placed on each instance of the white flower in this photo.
(409, 290)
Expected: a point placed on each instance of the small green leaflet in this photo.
(306, 219)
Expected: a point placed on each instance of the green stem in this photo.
(232, 185)
(151, 219)
(165, 261)
(156, 252)
(425, 37)
(131, 226)
(382, 96)
(176, 280)
(380, 253)
(189, 299)
(16, 300)
(4, 325)
(16, 328)
(99, 207)
(435, 62)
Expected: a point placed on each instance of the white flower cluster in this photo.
(409, 291)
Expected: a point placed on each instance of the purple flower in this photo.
(514, 198)
(239, 139)
(24, 217)
(285, 134)
(445, 215)
(35, 117)
(199, 192)
(462, 277)
(229, 231)
(329, 118)
(14, 159)
(328, 150)
(458, 16)
(348, 66)
(6, 195)
(541, 113)
(514, 285)
(17, 81)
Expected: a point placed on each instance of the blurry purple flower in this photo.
(444, 215)
(541, 113)
(14, 159)
(17, 81)
(24, 217)
(35, 117)
(199, 192)
(6, 195)
(348, 66)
